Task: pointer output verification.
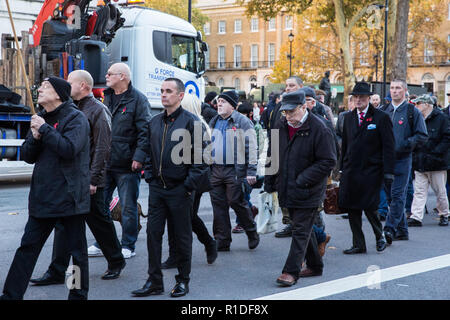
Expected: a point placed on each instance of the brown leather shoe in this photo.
(322, 246)
(286, 280)
(309, 273)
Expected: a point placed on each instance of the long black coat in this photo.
(60, 181)
(304, 164)
(434, 155)
(368, 153)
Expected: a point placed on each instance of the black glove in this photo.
(268, 188)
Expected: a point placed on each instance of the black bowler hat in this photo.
(361, 88)
(291, 100)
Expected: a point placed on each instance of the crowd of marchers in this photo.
(383, 157)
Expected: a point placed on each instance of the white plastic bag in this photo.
(267, 220)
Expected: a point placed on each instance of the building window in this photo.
(428, 82)
(222, 27)
(364, 53)
(272, 24)
(220, 82)
(254, 56)
(207, 28)
(237, 56)
(288, 22)
(238, 26)
(271, 54)
(221, 57)
(428, 51)
(254, 24)
(207, 59)
(237, 84)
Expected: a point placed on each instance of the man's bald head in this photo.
(81, 82)
(118, 77)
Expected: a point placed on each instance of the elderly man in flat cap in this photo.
(306, 156)
(430, 163)
(58, 145)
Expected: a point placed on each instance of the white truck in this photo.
(154, 44)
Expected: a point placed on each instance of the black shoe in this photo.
(443, 222)
(381, 244)
(148, 289)
(286, 232)
(114, 273)
(414, 223)
(47, 279)
(388, 236)
(401, 237)
(169, 264)
(211, 251)
(253, 239)
(180, 289)
(354, 250)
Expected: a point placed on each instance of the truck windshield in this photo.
(183, 53)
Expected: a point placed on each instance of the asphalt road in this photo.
(242, 274)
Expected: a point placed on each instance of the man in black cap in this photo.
(234, 152)
(367, 159)
(306, 157)
(209, 107)
(58, 145)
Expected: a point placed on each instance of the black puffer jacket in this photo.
(304, 163)
(129, 129)
(434, 155)
(160, 166)
(60, 181)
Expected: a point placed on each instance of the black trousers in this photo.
(174, 204)
(102, 228)
(37, 231)
(198, 227)
(227, 192)
(355, 220)
(304, 243)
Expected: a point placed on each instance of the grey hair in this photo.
(297, 79)
(403, 82)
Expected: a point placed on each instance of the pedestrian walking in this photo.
(410, 132)
(192, 104)
(130, 112)
(172, 178)
(367, 159)
(234, 160)
(306, 156)
(58, 146)
(98, 219)
(430, 163)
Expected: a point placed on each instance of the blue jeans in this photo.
(128, 187)
(320, 234)
(396, 197)
(409, 193)
(383, 206)
(247, 191)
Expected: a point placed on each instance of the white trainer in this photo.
(127, 253)
(93, 251)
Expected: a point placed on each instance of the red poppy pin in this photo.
(56, 125)
(400, 122)
(124, 109)
(234, 128)
(369, 119)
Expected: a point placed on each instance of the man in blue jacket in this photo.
(58, 145)
(410, 132)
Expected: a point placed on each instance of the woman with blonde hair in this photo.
(193, 104)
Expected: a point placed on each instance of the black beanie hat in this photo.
(231, 96)
(210, 96)
(61, 86)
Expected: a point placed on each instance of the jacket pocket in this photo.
(121, 155)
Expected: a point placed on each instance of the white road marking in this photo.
(368, 279)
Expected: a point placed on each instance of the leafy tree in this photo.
(179, 8)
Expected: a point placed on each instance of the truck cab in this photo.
(156, 46)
